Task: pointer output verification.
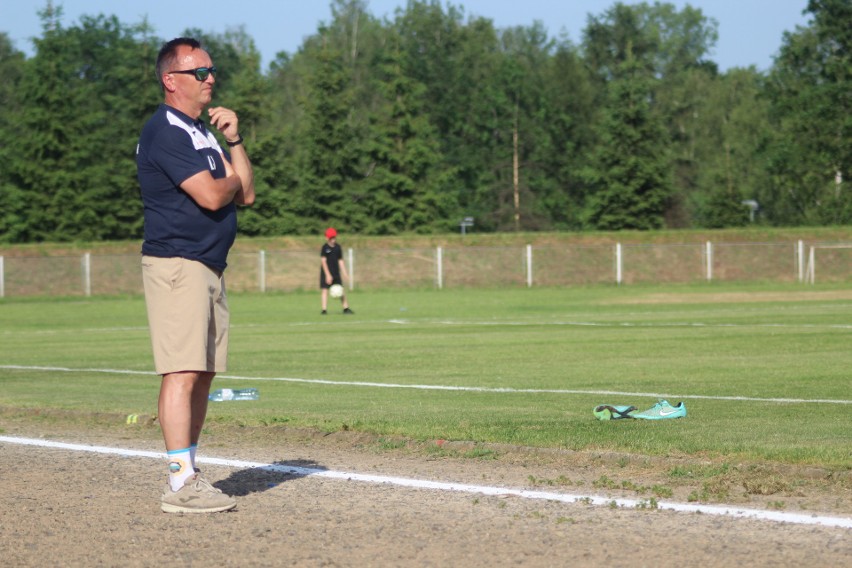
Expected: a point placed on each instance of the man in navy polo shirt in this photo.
(190, 188)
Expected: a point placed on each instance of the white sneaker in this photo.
(196, 496)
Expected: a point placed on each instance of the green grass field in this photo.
(516, 366)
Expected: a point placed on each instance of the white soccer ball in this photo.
(336, 291)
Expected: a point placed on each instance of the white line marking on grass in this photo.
(506, 390)
(72, 331)
(461, 322)
(759, 514)
(624, 324)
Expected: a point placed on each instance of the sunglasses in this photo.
(201, 73)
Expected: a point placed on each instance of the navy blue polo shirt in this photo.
(172, 148)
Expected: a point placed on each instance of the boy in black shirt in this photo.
(331, 269)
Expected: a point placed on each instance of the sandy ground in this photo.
(61, 507)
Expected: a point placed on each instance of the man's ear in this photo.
(168, 82)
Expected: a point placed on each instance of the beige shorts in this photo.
(187, 314)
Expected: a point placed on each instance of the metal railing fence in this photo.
(622, 264)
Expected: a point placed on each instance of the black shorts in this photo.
(335, 279)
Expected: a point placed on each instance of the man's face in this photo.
(187, 86)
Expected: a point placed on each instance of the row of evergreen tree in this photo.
(413, 123)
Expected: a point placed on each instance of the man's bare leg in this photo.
(181, 414)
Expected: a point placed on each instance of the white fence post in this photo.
(87, 274)
(2, 279)
(811, 265)
(800, 260)
(439, 267)
(618, 263)
(351, 269)
(529, 267)
(709, 248)
(261, 270)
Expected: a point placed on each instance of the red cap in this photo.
(330, 232)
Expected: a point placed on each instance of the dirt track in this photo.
(61, 507)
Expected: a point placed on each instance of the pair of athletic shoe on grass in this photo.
(660, 411)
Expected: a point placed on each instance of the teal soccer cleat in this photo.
(661, 411)
(609, 412)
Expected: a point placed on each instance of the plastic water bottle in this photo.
(221, 395)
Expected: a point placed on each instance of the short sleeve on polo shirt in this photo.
(177, 158)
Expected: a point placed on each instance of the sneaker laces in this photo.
(201, 484)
